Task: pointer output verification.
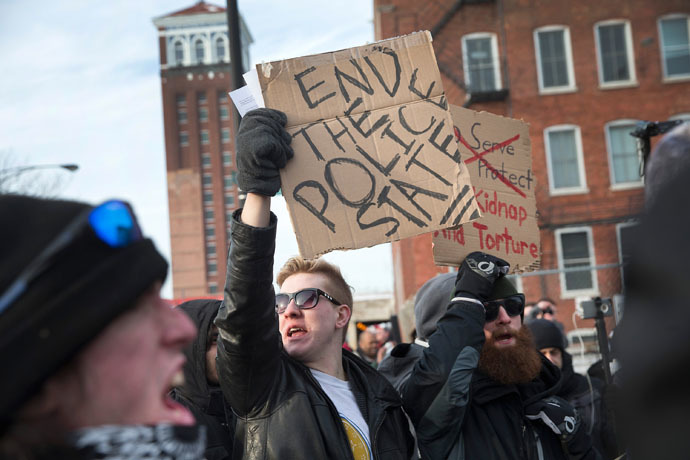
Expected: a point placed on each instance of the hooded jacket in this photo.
(204, 399)
(282, 411)
(459, 412)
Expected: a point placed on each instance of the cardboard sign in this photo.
(375, 155)
(497, 153)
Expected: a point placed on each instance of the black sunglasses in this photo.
(304, 299)
(513, 306)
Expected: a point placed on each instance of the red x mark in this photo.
(480, 157)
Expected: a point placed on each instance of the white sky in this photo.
(80, 83)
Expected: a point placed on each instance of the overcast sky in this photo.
(81, 84)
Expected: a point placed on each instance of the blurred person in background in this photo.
(368, 346)
(653, 338)
(89, 349)
(585, 395)
(201, 392)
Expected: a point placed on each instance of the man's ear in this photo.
(344, 313)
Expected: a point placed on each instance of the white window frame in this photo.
(494, 57)
(632, 80)
(573, 293)
(185, 142)
(225, 57)
(685, 117)
(207, 140)
(222, 135)
(208, 176)
(206, 156)
(667, 78)
(571, 86)
(207, 51)
(172, 59)
(228, 157)
(619, 226)
(609, 154)
(582, 188)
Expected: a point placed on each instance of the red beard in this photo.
(519, 363)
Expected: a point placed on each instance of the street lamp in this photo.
(22, 169)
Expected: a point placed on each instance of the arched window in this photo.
(199, 51)
(220, 49)
(179, 53)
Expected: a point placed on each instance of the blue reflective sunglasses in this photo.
(113, 222)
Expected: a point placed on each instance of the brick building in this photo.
(581, 74)
(199, 148)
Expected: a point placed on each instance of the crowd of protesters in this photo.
(97, 365)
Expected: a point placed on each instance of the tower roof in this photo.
(198, 8)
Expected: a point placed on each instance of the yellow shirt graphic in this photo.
(358, 444)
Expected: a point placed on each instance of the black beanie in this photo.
(83, 288)
(546, 334)
(433, 297)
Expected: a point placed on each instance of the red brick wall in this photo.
(589, 107)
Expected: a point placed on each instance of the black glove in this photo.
(263, 147)
(557, 414)
(477, 275)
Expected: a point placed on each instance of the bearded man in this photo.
(477, 388)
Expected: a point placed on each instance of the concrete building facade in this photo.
(582, 74)
(199, 143)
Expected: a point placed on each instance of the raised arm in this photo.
(249, 349)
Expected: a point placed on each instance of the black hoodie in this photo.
(205, 399)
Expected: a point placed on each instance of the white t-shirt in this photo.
(344, 400)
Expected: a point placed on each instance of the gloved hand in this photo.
(263, 147)
(557, 414)
(477, 275)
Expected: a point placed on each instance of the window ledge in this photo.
(626, 186)
(580, 293)
(559, 90)
(579, 191)
(618, 85)
(676, 79)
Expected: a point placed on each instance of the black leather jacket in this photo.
(282, 412)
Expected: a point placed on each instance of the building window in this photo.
(211, 250)
(201, 98)
(222, 97)
(212, 288)
(206, 179)
(204, 136)
(227, 159)
(220, 49)
(575, 250)
(184, 139)
(626, 244)
(181, 116)
(206, 160)
(203, 114)
(554, 59)
(199, 51)
(210, 232)
(224, 112)
(208, 214)
(230, 200)
(614, 50)
(212, 268)
(624, 160)
(564, 159)
(208, 198)
(225, 135)
(179, 53)
(480, 62)
(230, 180)
(675, 46)
(180, 100)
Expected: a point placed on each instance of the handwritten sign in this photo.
(497, 152)
(375, 153)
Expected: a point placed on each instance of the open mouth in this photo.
(177, 413)
(504, 338)
(295, 332)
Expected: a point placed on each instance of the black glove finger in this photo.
(275, 115)
(486, 265)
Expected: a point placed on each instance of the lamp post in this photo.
(22, 169)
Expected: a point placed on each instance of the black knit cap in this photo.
(546, 334)
(84, 288)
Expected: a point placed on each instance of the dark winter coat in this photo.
(282, 411)
(460, 413)
(202, 398)
(590, 404)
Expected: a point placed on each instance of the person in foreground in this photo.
(281, 365)
(201, 393)
(480, 389)
(89, 349)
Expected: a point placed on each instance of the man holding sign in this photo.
(479, 389)
(300, 395)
